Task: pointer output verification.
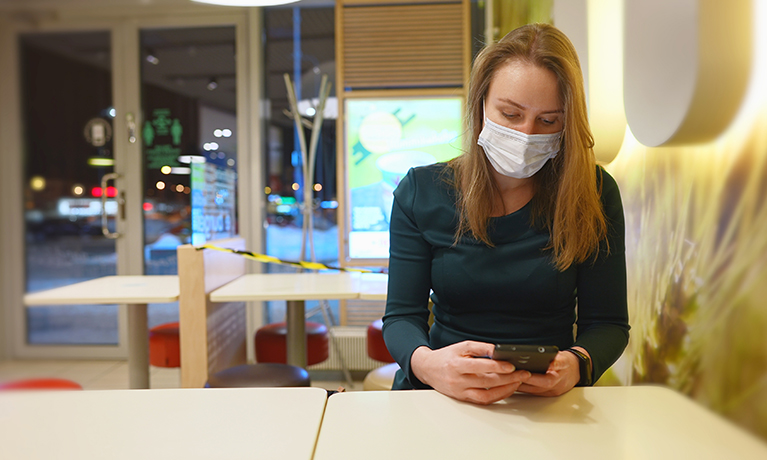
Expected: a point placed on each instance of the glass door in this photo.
(129, 139)
(189, 144)
(70, 197)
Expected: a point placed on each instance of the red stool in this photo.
(41, 384)
(164, 346)
(271, 343)
(375, 343)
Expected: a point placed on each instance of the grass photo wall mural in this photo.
(696, 243)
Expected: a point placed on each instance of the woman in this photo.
(510, 237)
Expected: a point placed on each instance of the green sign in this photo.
(162, 134)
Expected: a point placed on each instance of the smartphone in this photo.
(533, 358)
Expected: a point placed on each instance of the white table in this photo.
(136, 292)
(161, 424)
(642, 422)
(373, 286)
(295, 288)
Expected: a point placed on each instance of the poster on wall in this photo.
(385, 137)
(213, 202)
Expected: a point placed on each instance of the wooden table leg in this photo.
(138, 346)
(296, 337)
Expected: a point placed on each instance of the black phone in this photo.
(533, 358)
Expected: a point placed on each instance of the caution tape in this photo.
(273, 260)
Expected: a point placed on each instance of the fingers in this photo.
(490, 395)
(476, 349)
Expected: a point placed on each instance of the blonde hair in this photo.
(566, 201)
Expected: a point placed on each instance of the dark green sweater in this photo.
(510, 293)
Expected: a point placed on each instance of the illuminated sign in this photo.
(386, 137)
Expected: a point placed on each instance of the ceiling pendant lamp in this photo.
(246, 2)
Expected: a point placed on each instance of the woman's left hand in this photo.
(563, 374)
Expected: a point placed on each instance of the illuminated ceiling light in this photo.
(181, 170)
(160, 185)
(218, 132)
(267, 190)
(294, 186)
(98, 161)
(230, 162)
(165, 169)
(212, 84)
(112, 112)
(317, 187)
(78, 190)
(246, 2)
(311, 111)
(187, 159)
(210, 146)
(180, 188)
(226, 132)
(37, 183)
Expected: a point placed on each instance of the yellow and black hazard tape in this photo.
(273, 260)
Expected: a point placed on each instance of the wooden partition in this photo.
(213, 335)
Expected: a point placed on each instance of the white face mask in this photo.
(516, 154)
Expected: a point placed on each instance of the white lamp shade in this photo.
(246, 2)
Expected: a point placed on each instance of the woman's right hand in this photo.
(455, 371)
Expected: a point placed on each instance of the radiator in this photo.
(351, 343)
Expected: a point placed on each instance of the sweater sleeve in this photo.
(406, 322)
(602, 325)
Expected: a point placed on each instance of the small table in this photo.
(234, 423)
(295, 288)
(640, 422)
(136, 292)
(373, 286)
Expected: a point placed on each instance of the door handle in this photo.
(130, 121)
(120, 204)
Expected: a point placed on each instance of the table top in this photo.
(110, 290)
(373, 286)
(162, 424)
(289, 286)
(639, 422)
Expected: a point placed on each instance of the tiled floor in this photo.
(112, 375)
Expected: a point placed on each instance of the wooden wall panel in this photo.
(212, 335)
(390, 46)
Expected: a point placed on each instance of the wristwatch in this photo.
(584, 364)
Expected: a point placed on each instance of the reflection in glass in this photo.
(189, 141)
(67, 119)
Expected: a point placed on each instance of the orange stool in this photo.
(271, 344)
(41, 384)
(164, 346)
(375, 343)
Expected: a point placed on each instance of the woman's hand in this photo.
(563, 374)
(459, 372)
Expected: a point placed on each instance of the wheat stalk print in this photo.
(696, 249)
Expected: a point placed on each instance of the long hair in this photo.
(566, 200)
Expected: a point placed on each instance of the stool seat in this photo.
(41, 384)
(376, 347)
(271, 343)
(380, 379)
(165, 345)
(259, 375)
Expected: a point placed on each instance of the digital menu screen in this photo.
(385, 137)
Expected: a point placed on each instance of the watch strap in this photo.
(585, 367)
